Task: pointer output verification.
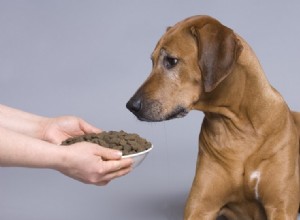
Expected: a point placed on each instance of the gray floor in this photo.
(87, 58)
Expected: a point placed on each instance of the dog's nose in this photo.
(134, 105)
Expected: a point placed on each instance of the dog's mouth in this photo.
(179, 112)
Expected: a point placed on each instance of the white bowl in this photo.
(138, 157)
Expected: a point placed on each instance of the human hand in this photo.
(93, 164)
(56, 130)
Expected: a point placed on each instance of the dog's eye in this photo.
(170, 62)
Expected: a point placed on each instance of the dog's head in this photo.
(191, 59)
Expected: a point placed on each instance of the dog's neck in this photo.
(237, 98)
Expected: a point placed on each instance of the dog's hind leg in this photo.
(296, 116)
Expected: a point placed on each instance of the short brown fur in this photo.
(247, 165)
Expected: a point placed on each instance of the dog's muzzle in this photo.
(152, 110)
(145, 110)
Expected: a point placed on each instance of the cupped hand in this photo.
(93, 164)
(56, 130)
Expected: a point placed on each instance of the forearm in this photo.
(82, 161)
(21, 122)
(18, 150)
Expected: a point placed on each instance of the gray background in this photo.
(87, 58)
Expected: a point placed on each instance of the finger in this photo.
(102, 183)
(116, 165)
(116, 174)
(113, 169)
(108, 154)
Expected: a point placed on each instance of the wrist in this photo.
(60, 161)
(42, 126)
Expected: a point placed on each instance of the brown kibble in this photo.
(125, 142)
(135, 146)
(127, 147)
(118, 148)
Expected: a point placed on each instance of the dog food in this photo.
(125, 142)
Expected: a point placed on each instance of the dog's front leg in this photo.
(280, 193)
(209, 191)
(283, 207)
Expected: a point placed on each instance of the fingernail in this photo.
(119, 153)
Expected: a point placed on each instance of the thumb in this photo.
(109, 154)
(88, 128)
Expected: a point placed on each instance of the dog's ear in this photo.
(218, 50)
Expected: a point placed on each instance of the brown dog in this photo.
(247, 166)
